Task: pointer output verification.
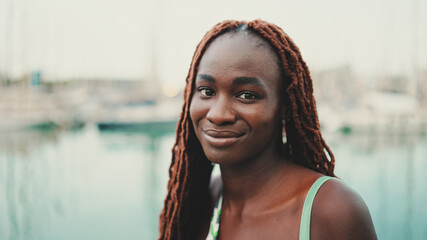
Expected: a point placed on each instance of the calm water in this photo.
(88, 184)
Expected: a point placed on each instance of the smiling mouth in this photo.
(221, 138)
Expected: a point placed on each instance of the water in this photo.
(88, 184)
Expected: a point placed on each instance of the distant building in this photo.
(338, 87)
(422, 89)
(393, 84)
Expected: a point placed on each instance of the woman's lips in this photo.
(221, 138)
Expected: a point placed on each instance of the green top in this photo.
(304, 226)
(304, 230)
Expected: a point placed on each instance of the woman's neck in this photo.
(254, 179)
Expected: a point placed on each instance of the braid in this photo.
(188, 199)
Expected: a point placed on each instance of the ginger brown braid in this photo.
(188, 201)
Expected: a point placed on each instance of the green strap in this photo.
(304, 228)
(214, 227)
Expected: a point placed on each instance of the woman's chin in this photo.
(223, 159)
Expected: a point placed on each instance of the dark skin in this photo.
(237, 112)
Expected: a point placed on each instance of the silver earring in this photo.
(284, 140)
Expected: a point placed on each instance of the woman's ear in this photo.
(283, 113)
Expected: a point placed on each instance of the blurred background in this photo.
(90, 92)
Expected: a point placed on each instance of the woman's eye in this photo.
(207, 92)
(247, 96)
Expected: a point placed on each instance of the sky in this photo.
(136, 39)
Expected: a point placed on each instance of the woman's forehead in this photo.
(246, 38)
(240, 53)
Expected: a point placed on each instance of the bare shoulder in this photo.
(340, 213)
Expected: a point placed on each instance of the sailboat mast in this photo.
(8, 56)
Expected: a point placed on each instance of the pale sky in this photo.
(121, 39)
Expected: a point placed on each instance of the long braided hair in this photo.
(188, 199)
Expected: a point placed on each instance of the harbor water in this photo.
(90, 184)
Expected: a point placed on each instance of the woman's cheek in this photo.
(197, 110)
(258, 113)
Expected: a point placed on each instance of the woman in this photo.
(249, 107)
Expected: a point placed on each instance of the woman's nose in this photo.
(221, 111)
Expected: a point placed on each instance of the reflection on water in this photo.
(389, 172)
(82, 185)
(109, 185)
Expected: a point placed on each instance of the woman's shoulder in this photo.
(340, 213)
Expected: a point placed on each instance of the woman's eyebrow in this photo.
(248, 81)
(206, 77)
(236, 81)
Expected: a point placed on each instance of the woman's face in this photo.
(236, 109)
